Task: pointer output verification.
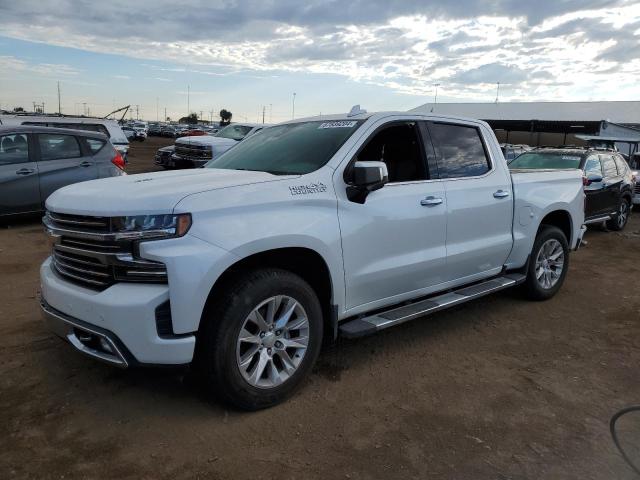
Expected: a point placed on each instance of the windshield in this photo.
(291, 149)
(234, 132)
(542, 160)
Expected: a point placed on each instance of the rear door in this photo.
(595, 193)
(19, 189)
(479, 201)
(612, 183)
(63, 160)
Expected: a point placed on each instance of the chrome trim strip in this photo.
(147, 234)
(53, 316)
(61, 270)
(95, 273)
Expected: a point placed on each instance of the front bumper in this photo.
(124, 315)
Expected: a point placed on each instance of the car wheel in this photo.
(618, 222)
(548, 264)
(260, 338)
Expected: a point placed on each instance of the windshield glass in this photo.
(234, 132)
(291, 149)
(541, 160)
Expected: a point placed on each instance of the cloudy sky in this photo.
(383, 54)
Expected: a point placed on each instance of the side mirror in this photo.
(593, 178)
(370, 175)
(367, 177)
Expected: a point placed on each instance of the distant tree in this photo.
(168, 119)
(191, 119)
(18, 109)
(225, 117)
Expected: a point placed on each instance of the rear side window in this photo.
(460, 151)
(593, 167)
(621, 164)
(610, 169)
(94, 145)
(54, 146)
(14, 149)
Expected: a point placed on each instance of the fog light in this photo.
(105, 345)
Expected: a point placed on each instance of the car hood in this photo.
(147, 193)
(206, 140)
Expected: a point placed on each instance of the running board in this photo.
(360, 327)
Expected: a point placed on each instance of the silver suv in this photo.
(36, 161)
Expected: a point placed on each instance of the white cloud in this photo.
(10, 63)
(545, 49)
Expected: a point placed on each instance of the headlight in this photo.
(150, 226)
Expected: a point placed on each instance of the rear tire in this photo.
(619, 221)
(259, 338)
(548, 264)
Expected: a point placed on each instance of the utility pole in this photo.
(263, 109)
(157, 109)
(34, 107)
(137, 112)
(293, 108)
(498, 92)
(271, 113)
(165, 114)
(435, 99)
(59, 105)
(84, 108)
(188, 100)
(42, 107)
(200, 115)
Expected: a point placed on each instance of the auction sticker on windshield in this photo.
(569, 157)
(339, 124)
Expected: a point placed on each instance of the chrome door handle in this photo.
(25, 171)
(501, 194)
(430, 201)
(86, 164)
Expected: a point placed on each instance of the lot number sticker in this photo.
(340, 124)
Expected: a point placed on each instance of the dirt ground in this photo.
(498, 389)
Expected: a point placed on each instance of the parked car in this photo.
(192, 132)
(36, 161)
(155, 130)
(131, 133)
(511, 151)
(608, 180)
(163, 157)
(168, 131)
(194, 152)
(110, 128)
(310, 229)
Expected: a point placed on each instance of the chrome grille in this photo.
(85, 253)
(637, 189)
(193, 151)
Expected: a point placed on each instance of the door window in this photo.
(54, 146)
(14, 149)
(610, 169)
(460, 151)
(399, 148)
(593, 167)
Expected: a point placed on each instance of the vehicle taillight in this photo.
(585, 181)
(118, 161)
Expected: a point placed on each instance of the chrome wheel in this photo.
(549, 263)
(623, 214)
(272, 342)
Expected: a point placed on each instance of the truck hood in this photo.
(147, 193)
(206, 140)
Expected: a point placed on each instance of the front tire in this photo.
(618, 222)
(260, 338)
(548, 264)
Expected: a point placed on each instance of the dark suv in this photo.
(608, 181)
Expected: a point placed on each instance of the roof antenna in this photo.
(356, 110)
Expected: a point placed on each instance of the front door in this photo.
(19, 190)
(394, 243)
(62, 162)
(595, 193)
(479, 202)
(612, 183)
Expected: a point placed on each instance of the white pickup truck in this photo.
(307, 230)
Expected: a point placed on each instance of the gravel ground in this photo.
(501, 388)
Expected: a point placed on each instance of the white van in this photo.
(110, 128)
